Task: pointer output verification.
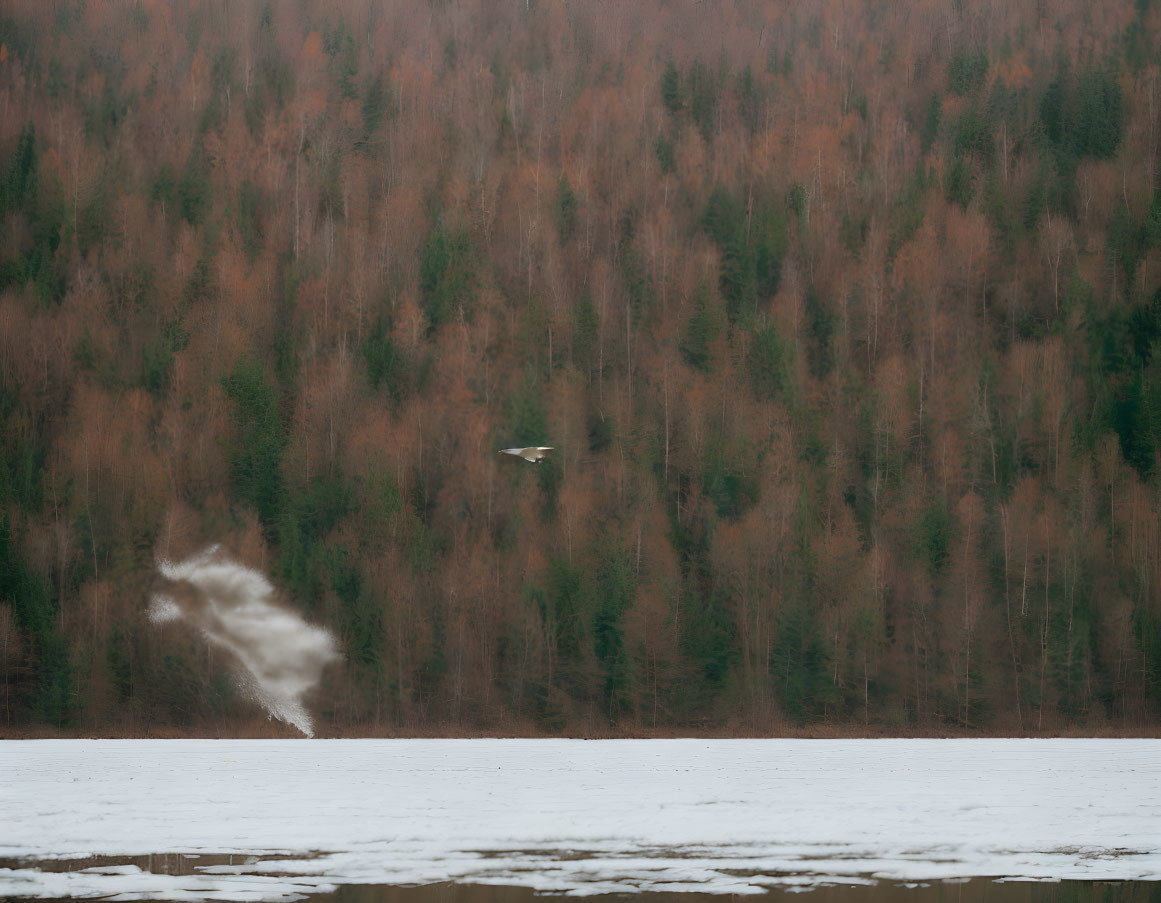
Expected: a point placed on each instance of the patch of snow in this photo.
(577, 817)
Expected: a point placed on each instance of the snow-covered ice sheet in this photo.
(574, 816)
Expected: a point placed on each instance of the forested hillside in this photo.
(843, 319)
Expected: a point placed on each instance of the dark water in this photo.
(157, 863)
(975, 891)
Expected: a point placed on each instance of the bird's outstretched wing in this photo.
(533, 453)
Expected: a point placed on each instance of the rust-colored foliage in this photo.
(847, 353)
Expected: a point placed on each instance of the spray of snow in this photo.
(279, 656)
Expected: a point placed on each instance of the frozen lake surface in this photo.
(295, 817)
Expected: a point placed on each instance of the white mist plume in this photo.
(280, 656)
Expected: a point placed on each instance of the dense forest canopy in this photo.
(843, 320)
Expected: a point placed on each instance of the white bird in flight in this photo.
(533, 453)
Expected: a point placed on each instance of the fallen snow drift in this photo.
(583, 817)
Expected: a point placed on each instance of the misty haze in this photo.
(279, 656)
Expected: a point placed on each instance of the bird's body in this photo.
(533, 453)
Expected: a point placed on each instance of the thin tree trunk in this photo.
(1044, 635)
(1008, 615)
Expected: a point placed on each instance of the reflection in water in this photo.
(975, 891)
(154, 863)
